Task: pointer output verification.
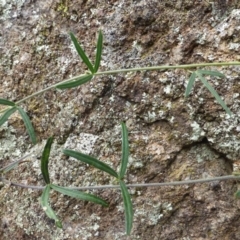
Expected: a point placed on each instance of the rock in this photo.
(171, 138)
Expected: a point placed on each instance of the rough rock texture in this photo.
(171, 138)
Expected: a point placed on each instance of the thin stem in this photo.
(46, 89)
(174, 183)
(42, 91)
(13, 164)
(185, 66)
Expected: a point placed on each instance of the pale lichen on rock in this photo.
(171, 138)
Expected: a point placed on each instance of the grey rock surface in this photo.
(171, 138)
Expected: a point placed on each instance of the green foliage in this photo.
(75, 82)
(11, 166)
(237, 194)
(191, 82)
(92, 68)
(125, 151)
(213, 92)
(7, 114)
(65, 191)
(91, 161)
(47, 208)
(28, 125)
(26, 120)
(128, 208)
(199, 74)
(6, 102)
(211, 73)
(99, 51)
(81, 53)
(79, 195)
(45, 160)
(104, 167)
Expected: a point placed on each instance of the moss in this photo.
(63, 7)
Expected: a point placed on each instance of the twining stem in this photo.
(184, 66)
(174, 183)
(42, 91)
(165, 67)
(13, 164)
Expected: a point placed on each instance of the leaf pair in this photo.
(44, 200)
(63, 190)
(101, 165)
(75, 82)
(92, 68)
(199, 74)
(22, 113)
(128, 207)
(106, 168)
(47, 208)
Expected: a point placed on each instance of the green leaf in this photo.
(80, 195)
(125, 151)
(6, 102)
(46, 207)
(81, 53)
(45, 160)
(214, 93)
(76, 82)
(99, 51)
(91, 161)
(190, 84)
(212, 73)
(6, 115)
(28, 125)
(128, 208)
(237, 194)
(13, 165)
